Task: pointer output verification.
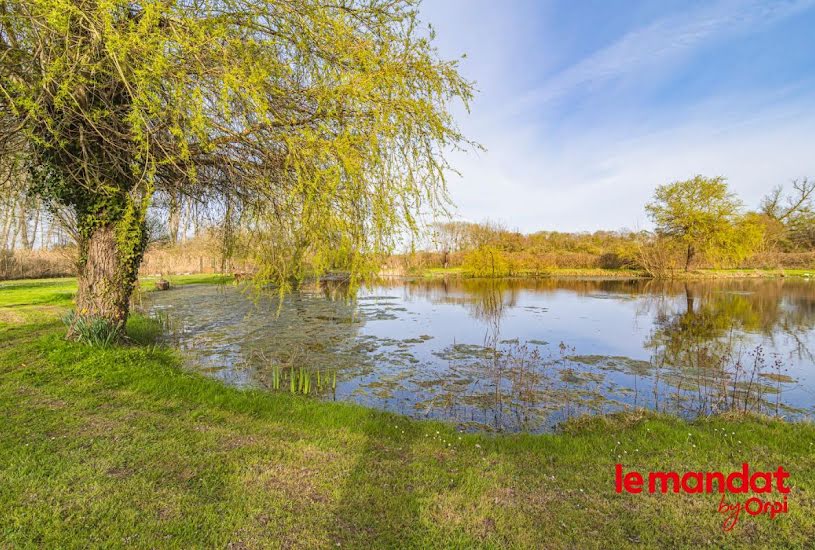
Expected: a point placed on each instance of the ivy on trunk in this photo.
(107, 276)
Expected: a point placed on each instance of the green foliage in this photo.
(703, 216)
(302, 380)
(741, 240)
(693, 210)
(326, 124)
(131, 237)
(487, 261)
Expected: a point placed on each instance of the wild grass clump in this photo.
(92, 331)
(144, 330)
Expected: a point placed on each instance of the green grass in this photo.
(196, 279)
(28, 299)
(120, 447)
(770, 273)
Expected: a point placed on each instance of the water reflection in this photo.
(718, 362)
(514, 354)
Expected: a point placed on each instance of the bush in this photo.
(487, 261)
(36, 264)
(659, 257)
(611, 260)
(779, 260)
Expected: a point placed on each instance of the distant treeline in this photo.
(699, 223)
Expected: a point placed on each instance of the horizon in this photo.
(579, 132)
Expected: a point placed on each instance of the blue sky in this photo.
(585, 106)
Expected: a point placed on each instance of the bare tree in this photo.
(783, 208)
(794, 213)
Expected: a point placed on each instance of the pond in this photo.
(511, 355)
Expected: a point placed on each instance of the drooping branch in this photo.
(326, 123)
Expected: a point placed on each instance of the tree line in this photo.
(699, 222)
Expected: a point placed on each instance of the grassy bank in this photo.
(439, 272)
(120, 447)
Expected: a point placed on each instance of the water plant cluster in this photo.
(302, 380)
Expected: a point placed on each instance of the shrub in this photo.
(611, 260)
(487, 261)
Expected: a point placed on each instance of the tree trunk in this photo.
(36, 225)
(689, 300)
(8, 214)
(23, 224)
(227, 244)
(174, 218)
(691, 253)
(106, 279)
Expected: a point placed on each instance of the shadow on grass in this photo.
(13, 335)
(382, 474)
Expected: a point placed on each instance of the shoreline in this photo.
(458, 273)
(705, 274)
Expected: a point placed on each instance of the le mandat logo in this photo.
(735, 483)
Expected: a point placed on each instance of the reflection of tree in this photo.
(316, 329)
(705, 341)
(335, 289)
(498, 378)
(485, 299)
(489, 302)
(708, 308)
(699, 328)
(698, 340)
(719, 312)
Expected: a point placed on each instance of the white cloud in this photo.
(663, 41)
(596, 172)
(600, 181)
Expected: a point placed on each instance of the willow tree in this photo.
(703, 216)
(328, 120)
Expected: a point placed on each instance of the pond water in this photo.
(511, 355)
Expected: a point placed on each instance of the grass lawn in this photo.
(120, 447)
